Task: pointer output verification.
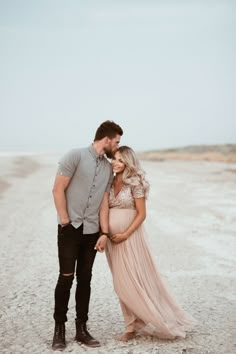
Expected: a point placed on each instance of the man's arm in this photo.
(60, 185)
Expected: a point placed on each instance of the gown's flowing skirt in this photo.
(146, 302)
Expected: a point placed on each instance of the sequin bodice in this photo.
(125, 198)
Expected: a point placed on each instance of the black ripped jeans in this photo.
(74, 249)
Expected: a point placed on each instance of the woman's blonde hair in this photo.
(133, 173)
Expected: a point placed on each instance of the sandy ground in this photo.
(191, 225)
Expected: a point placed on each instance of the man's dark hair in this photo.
(109, 129)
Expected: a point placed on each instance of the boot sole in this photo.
(88, 345)
(58, 349)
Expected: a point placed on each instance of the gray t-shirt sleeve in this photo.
(69, 162)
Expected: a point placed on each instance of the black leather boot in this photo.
(59, 340)
(83, 336)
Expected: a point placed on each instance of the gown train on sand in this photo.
(145, 300)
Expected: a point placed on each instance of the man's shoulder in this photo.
(76, 151)
(72, 156)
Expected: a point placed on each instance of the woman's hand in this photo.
(118, 238)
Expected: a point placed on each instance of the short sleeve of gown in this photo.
(138, 191)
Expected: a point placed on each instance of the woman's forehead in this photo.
(118, 155)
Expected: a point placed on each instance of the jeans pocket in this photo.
(64, 230)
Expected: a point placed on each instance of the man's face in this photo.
(112, 146)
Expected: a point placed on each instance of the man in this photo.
(83, 177)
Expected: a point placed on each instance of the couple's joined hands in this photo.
(102, 241)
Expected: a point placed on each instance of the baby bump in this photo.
(120, 219)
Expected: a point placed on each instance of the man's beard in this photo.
(109, 153)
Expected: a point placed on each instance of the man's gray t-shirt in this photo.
(91, 177)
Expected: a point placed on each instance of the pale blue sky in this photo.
(164, 70)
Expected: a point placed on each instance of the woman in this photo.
(145, 301)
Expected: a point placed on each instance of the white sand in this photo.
(192, 229)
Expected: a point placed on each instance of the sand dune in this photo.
(15, 166)
(221, 153)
